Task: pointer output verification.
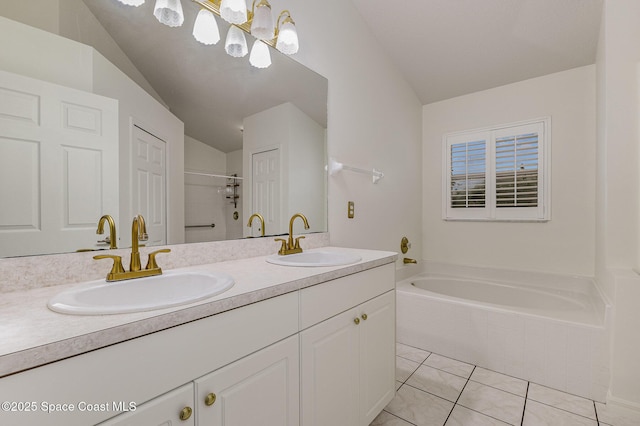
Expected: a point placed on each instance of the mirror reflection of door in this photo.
(148, 192)
(266, 190)
(58, 156)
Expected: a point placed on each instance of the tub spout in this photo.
(408, 260)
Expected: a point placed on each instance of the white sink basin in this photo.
(141, 294)
(315, 258)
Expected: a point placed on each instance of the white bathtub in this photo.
(549, 329)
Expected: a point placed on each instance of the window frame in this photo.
(490, 212)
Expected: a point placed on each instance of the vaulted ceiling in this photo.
(448, 48)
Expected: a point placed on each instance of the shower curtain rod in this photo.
(212, 175)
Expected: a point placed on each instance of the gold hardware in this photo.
(117, 267)
(356, 320)
(289, 246)
(111, 239)
(408, 260)
(350, 209)
(260, 218)
(138, 231)
(364, 317)
(151, 263)
(210, 399)
(186, 413)
(404, 245)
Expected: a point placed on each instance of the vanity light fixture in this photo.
(258, 22)
(169, 12)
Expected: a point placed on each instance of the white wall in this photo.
(566, 243)
(618, 187)
(373, 121)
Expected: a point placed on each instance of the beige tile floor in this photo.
(433, 390)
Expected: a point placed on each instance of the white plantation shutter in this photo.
(517, 171)
(498, 173)
(468, 174)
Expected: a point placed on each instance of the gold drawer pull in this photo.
(210, 399)
(364, 317)
(186, 413)
(356, 320)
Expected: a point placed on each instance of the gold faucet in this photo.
(288, 246)
(117, 273)
(407, 260)
(111, 239)
(259, 216)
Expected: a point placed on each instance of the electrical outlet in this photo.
(350, 209)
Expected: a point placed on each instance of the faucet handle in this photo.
(283, 248)
(151, 263)
(297, 245)
(117, 267)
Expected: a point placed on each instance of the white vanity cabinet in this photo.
(348, 360)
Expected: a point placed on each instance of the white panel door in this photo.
(266, 191)
(148, 192)
(58, 166)
(329, 368)
(377, 355)
(259, 390)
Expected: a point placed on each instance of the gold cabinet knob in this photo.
(364, 317)
(210, 399)
(186, 413)
(356, 320)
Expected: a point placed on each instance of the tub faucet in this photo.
(111, 239)
(289, 246)
(260, 218)
(408, 260)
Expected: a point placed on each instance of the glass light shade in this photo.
(236, 44)
(205, 29)
(234, 11)
(260, 56)
(262, 25)
(287, 38)
(169, 12)
(135, 3)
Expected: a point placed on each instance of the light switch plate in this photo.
(350, 209)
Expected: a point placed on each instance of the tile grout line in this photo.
(398, 417)
(596, 411)
(524, 408)
(459, 395)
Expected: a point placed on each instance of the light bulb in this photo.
(205, 29)
(236, 44)
(233, 11)
(262, 25)
(169, 12)
(260, 56)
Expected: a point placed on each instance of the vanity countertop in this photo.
(32, 335)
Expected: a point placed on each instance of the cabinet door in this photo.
(329, 370)
(259, 390)
(377, 355)
(164, 410)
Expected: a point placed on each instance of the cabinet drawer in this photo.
(325, 300)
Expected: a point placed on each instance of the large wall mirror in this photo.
(251, 140)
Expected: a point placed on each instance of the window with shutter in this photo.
(498, 173)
